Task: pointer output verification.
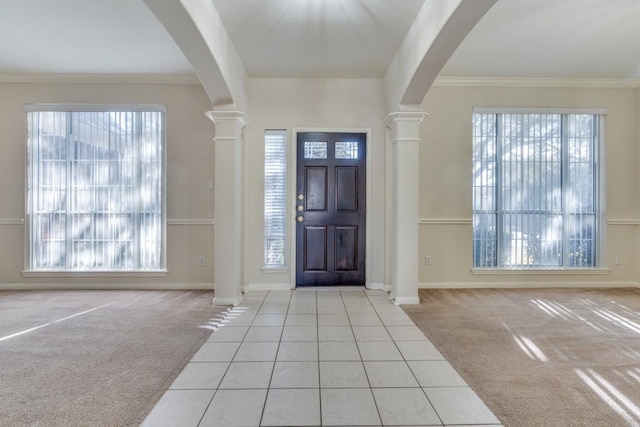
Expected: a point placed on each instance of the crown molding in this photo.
(596, 83)
(102, 78)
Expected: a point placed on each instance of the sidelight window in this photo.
(275, 190)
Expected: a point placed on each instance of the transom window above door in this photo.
(343, 150)
(346, 150)
(315, 150)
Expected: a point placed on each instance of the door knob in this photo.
(300, 196)
(300, 218)
(300, 208)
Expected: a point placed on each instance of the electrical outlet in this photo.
(618, 260)
(427, 260)
(209, 184)
(202, 261)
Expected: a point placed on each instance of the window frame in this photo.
(267, 266)
(161, 271)
(599, 197)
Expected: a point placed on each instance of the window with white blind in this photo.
(535, 190)
(96, 188)
(275, 190)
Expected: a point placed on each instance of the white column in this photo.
(405, 140)
(228, 206)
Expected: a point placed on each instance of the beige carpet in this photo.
(103, 367)
(559, 357)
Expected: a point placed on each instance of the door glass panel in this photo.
(315, 150)
(346, 150)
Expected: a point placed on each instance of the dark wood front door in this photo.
(330, 209)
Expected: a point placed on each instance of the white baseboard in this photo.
(521, 284)
(406, 300)
(31, 286)
(269, 286)
(376, 286)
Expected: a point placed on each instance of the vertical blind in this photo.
(535, 190)
(275, 189)
(96, 190)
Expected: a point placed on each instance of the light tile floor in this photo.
(310, 357)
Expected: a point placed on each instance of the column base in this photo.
(406, 300)
(227, 301)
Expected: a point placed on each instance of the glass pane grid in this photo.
(106, 182)
(537, 174)
(346, 150)
(484, 191)
(315, 150)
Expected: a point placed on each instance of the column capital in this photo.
(404, 117)
(404, 126)
(217, 116)
(229, 125)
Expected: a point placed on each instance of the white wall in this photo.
(445, 177)
(329, 104)
(190, 154)
(445, 182)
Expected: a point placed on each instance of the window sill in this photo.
(540, 271)
(275, 270)
(57, 273)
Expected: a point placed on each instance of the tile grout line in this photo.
(361, 359)
(256, 305)
(318, 341)
(407, 363)
(264, 405)
(228, 366)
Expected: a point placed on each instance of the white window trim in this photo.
(541, 110)
(162, 271)
(89, 274)
(600, 268)
(498, 271)
(95, 107)
(277, 268)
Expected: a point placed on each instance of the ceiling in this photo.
(85, 37)
(323, 38)
(553, 38)
(317, 38)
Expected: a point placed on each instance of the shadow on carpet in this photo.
(553, 357)
(95, 358)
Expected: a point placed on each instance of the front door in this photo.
(330, 209)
